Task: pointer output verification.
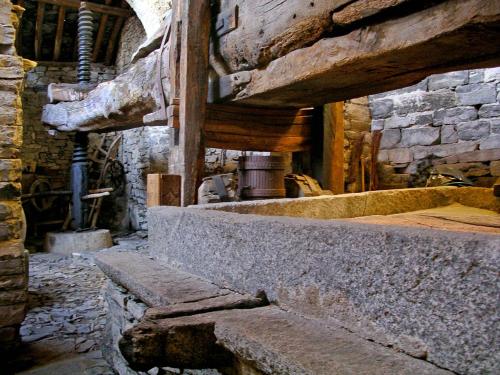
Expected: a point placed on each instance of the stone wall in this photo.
(13, 258)
(131, 37)
(47, 154)
(451, 119)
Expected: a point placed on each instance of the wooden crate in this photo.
(163, 190)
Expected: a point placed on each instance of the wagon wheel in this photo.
(41, 203)
(114, 176)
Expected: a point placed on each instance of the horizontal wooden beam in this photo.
(381, 57)
(94, 7)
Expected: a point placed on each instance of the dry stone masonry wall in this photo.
(47, 153)
(13, 259)
(451, 119)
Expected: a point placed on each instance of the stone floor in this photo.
(63, 327)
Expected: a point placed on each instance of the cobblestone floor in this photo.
(64, 324)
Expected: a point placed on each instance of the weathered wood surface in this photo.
(452, 35)
(117, 104)
(68, 92)
(268, 29)
(333, 148)
(195, 42)
(253, 128)
(361, 9)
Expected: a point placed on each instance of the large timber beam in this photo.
(379, 56)
(452, 35)
(117, 104)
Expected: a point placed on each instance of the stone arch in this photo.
(150, 13)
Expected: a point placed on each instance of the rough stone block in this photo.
(489, 110)
(8, 116)
(136, 308)
(490, 142)
(495, 125)
(11, 136)
(495, 168)
(390, 138)
(9, 99)
(13, 266)
(423, 118)
(421, 86)
(473, 130)
(459, 285)
(448, 80)
(397, 122)
(476, 75)
(424, 101)
(10, 85)
(11, 315)
(383, 156)
(476, 93)
(449, 134)
(377, 125)
(381, 108)
(13, 297)
(10, 230)
(443, 150)
(400, 155)
(492, 74)
(420, 136)
(10, 170)
(454, 116)
(13, 282)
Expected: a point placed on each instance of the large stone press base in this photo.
(67, 243)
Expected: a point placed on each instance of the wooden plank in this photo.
(375, 147)
(100, 34)
(40, 12)
(94, 7)
(333, 148)
(193, 93)
(174, 56)
(163, 190)
(59, 32)
(380, 57)
(113, 39)
(256, 143)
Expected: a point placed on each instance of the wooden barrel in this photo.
(261, 177)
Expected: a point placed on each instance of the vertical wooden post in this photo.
(193, 93)
(333, 148)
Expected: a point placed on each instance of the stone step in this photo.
(266, 339)
(159, 285)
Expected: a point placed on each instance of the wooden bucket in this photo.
(261, 177)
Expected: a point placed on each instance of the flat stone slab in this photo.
(429, 293)
(153, 282)
(67, 243)
(270, 340)
(380, 202)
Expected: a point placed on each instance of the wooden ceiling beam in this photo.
(115, 33)
(97, 8)
(40, 12)
(100, 34)
(59, 32)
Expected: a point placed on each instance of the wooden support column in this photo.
(333, 148)
(115, 32)
(193, 93)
